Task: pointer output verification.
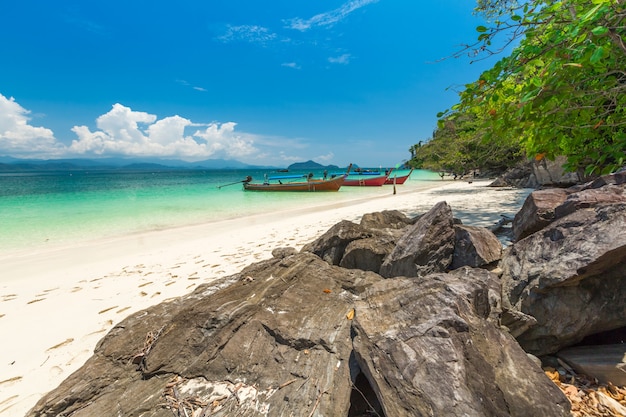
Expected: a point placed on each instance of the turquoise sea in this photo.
(40, 209)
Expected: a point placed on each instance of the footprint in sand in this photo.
(97, 332)
(56, 371)
(11, 380)
(82, 353)
(63, 343)
(107, 309)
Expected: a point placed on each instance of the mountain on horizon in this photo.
(11, 164)
(310, 165)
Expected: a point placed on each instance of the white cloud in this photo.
(247, 33)
(125, 132)
(341, 59)
(18, 137)
(325, 158)
(327, 18)
(186, 84)
(290, 65)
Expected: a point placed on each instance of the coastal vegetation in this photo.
(560, 92)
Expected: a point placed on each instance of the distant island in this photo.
(10, 164)
(310, 165)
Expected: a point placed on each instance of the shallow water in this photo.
(50, 208)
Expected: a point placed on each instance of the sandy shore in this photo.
(57, 303)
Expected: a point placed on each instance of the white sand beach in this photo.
(57, 303)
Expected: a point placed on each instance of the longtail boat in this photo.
(398, 180)
(371, 180)
(309, 184)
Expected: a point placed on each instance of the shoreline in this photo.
(57, 303)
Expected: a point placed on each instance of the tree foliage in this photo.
(562, 91)
(460, 146)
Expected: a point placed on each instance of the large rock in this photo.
(552, 173)
(275, 342)
(569, 278)
(386, 219)
(426, 247)
(367, 254)
(544, 206)
(537, 211)
(607, 363)
(589, 198)
(294, 335)
(360, 246)
(432, 347)
(331, 245)
(475, 247)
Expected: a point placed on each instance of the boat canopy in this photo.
(286, 177)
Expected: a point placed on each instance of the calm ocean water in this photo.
(49, 208)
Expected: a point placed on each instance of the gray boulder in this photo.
(537, 211)
(386, 219)
(432, 347)
(568, 280)
(331, 245)
(276, 341)
(589, 198)
(426, 247)
(294, 335)
(367, 254)
(475, 247)
(360, 246)
(552, 173)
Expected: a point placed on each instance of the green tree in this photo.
(460, 146)
(562, 90)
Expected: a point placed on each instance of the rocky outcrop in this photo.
(538, 173)
(568, 280)
(455, 362)
(551, 173)
(392, 244)
(293, 335)
(277, 341)
(570, 277)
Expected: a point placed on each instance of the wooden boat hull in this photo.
(398, 180)
(365, 181)
(332, 184)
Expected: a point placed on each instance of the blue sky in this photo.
(263, 82)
